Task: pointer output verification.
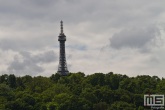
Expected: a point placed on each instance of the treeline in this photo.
(77, 91)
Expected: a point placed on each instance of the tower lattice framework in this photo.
(62, 67)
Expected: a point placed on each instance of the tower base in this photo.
(63, 73)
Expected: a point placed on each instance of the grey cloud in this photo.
(31, 64)
(83, 18)
(135, 38)
(26, 43)
(114, 14)
(40, 2)
(46, 57)
(24, 10)
(25, 67)
(78, 47)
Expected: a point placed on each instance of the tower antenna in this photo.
(62, 27)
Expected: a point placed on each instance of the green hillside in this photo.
(77, 91)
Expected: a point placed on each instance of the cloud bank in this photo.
(125, 37)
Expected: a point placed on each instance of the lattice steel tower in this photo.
(62, 67)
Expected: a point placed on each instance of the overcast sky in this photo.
(122, 36)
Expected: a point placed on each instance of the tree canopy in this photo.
(77, 91)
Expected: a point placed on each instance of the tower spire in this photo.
(62, 27)
(62, 67)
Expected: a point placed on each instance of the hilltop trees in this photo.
(77, 92)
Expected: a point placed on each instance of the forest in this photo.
(77, 91)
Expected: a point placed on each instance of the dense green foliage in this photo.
(77, 92)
